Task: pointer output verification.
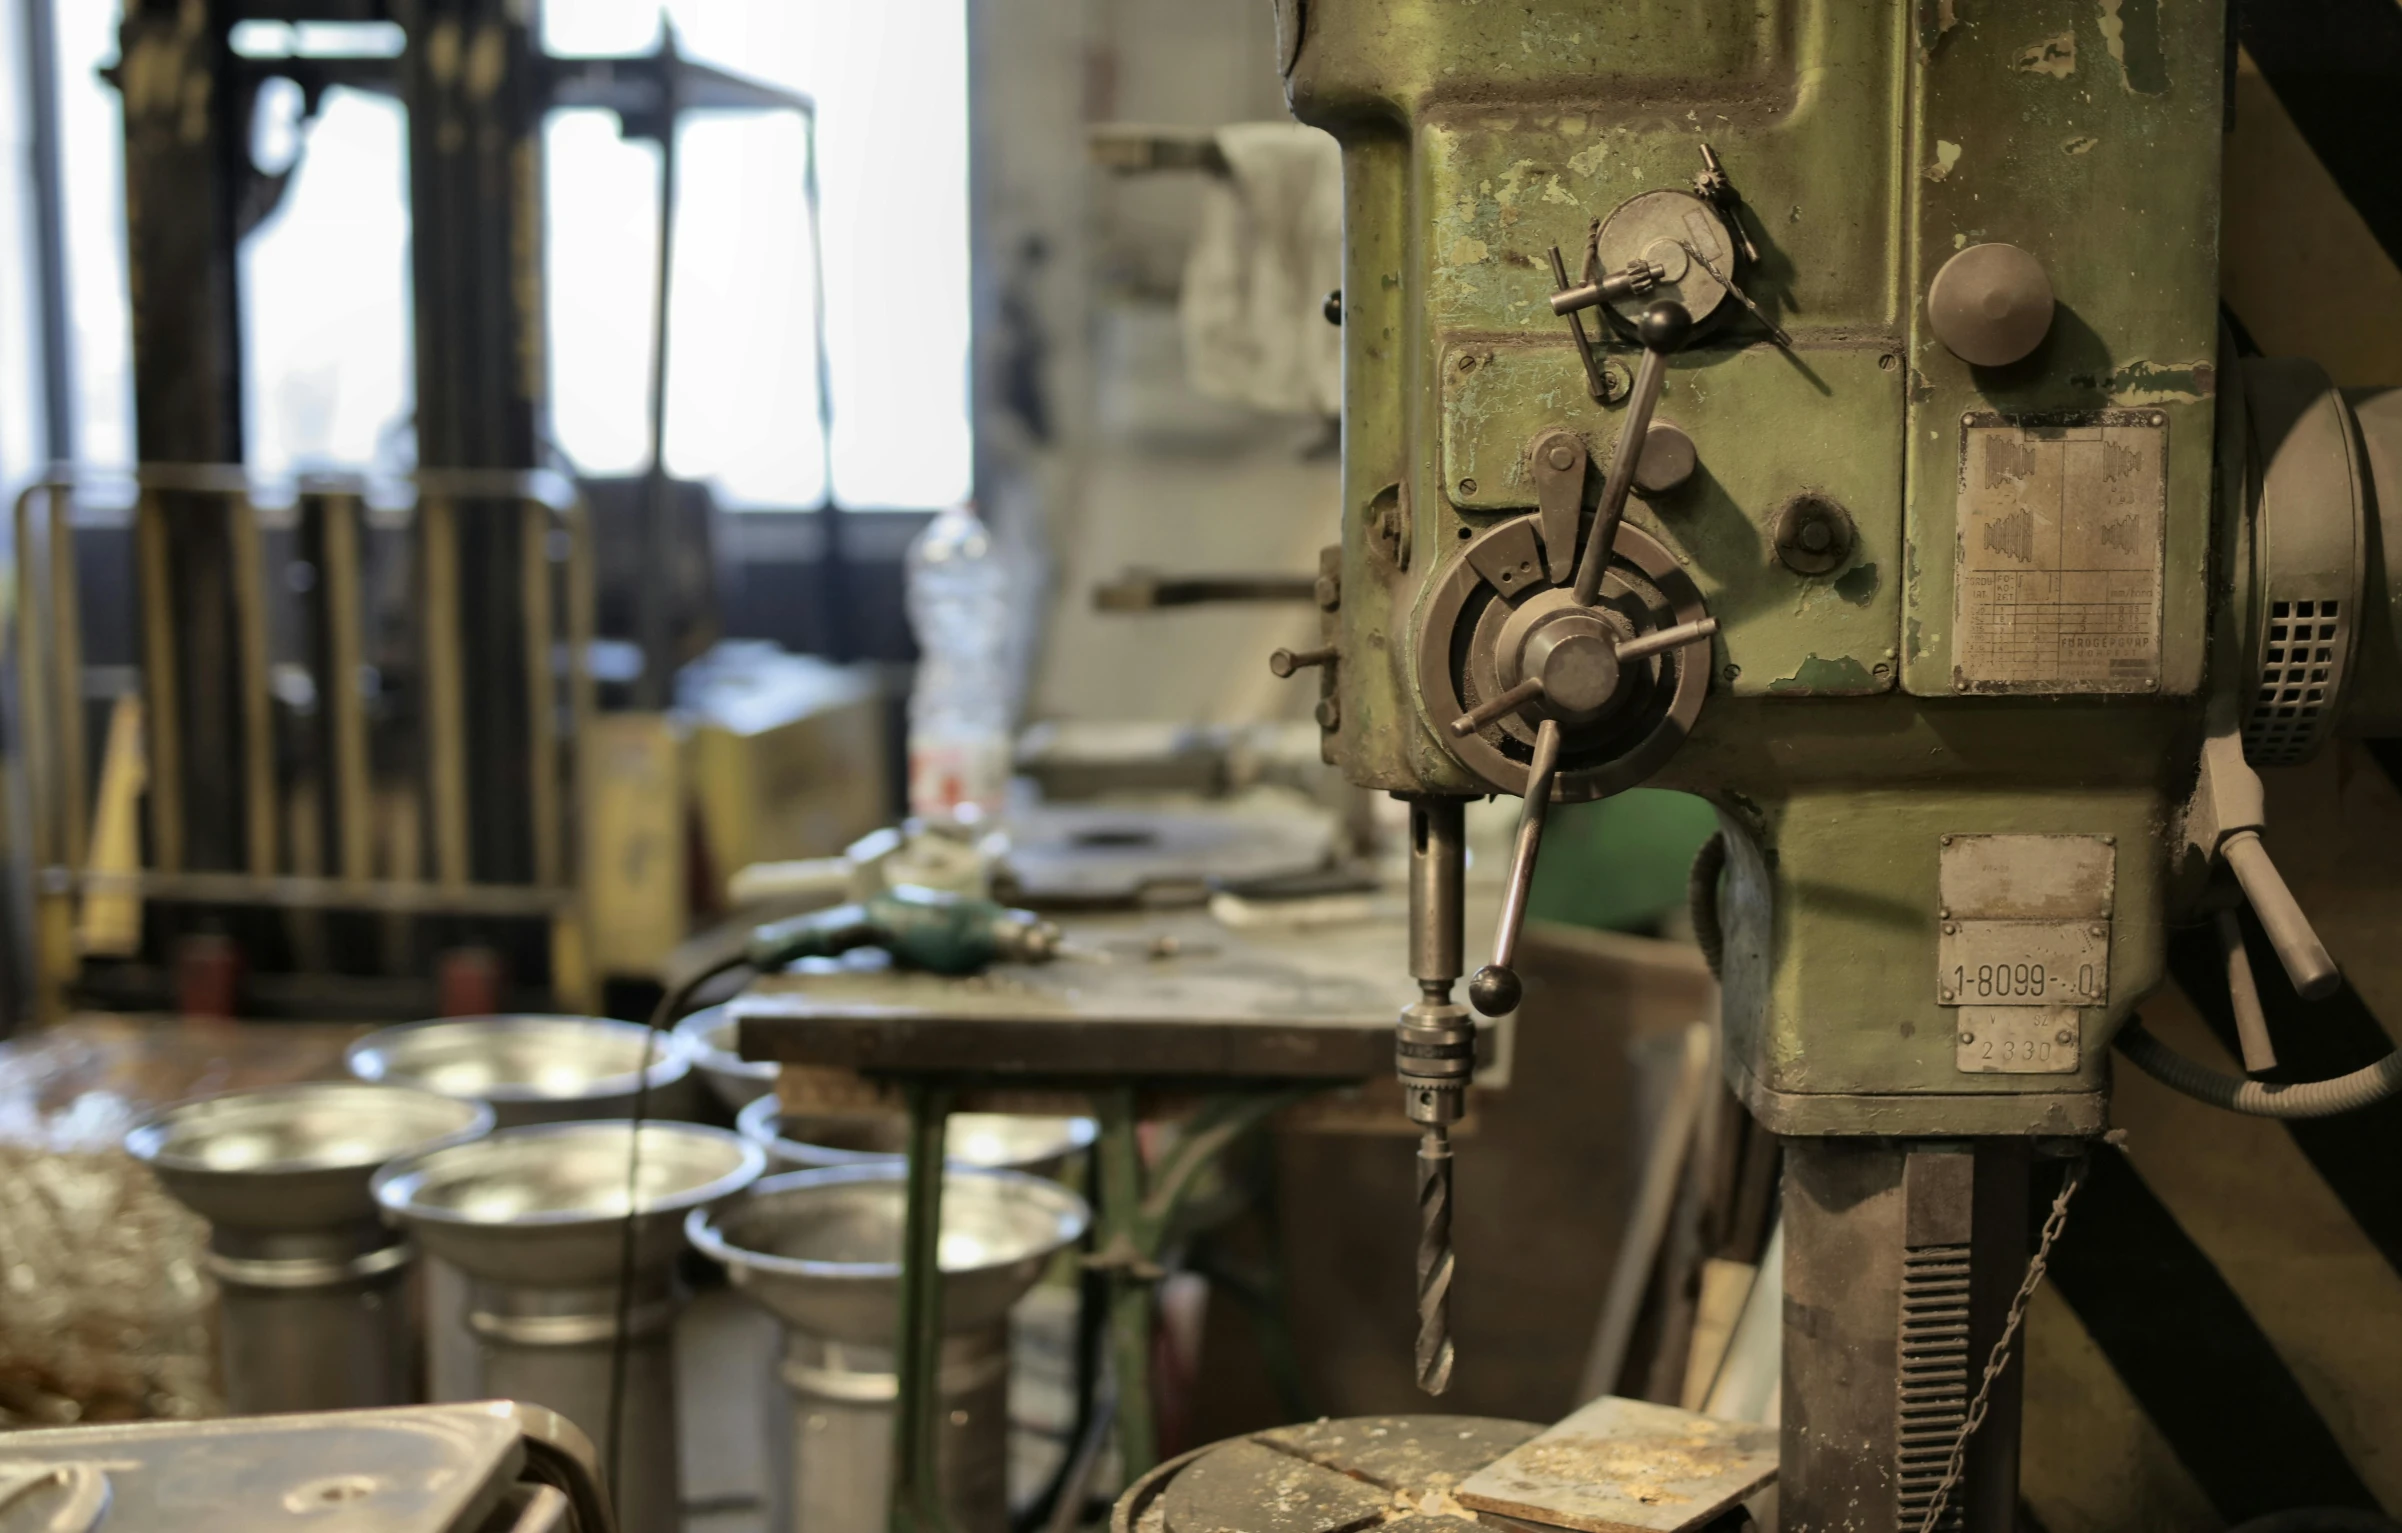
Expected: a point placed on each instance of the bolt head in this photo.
(1950, 930)
(1330, 714)
(2064, 1036)
(1561, 456)
(1968, 1037)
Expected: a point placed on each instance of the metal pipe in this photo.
(66, 635)
(1437, 857)
(162, 728)
(445, 685)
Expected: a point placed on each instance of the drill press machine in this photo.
(1822, 406)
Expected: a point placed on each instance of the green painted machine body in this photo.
(1846, 731)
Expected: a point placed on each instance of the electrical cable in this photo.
(674, 1002)
(2363, 1087)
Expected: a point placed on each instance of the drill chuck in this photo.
(1434, 1054)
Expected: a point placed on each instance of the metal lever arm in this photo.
(1494, 990)
(2307, 961)
(1663, 329)
(2228, 810)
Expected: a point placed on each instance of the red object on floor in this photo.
(467, 982)
(208, 975)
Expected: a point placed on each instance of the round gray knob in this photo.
(1991, 304)
(1668, 458)
(1579, 669)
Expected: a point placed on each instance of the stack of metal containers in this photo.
(494, 1158)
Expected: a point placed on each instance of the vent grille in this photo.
(2301, 666)
(1934, 1383)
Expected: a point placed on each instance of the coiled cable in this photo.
(2363, 1087)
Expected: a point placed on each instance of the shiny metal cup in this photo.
(820, 1250)
(528, 1069)
(981, 1141)
(707, 1038)
(536, 1219)
(311, 1280)
(531, 1069)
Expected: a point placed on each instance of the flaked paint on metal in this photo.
(1947, 155)
(2142, 382)
(2131, 31)
(2055, 56)
(1858, 585)
(1820, 676)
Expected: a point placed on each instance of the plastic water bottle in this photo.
(960, 707)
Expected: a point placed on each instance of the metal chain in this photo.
(1999, 1360)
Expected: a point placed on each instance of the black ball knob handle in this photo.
(1495, 991)
(1664, 326)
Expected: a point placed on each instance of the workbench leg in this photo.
(916, 1505)
(1124, 1236)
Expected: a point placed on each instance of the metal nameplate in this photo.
(2058, 566)
(2018, 1040)
(2023, 923)
(2023, 963)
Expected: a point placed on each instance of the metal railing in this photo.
(332, 514)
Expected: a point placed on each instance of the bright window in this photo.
(890, 81)
(325, 281)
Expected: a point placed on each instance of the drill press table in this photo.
(1146, 1011)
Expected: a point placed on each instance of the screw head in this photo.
(2064, 1036)
(1467, 487)
(1947, 841)
(1330, 714)
(1968, 1037)
(2093, 931)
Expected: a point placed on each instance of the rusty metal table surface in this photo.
(1153, 995)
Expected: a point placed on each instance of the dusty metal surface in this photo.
(413, 1469)
(1628, 1466)
(1325, 1477)
(1138, 995)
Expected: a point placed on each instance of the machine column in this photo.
(1901, 1259)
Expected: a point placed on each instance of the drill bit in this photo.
(1434, 1053)
(1434, 1260)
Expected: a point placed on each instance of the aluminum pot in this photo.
(536, 1219)
(529, 1069)
(315, 1316)
(820, 1250)
(707, 1038)
(983, 1141)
